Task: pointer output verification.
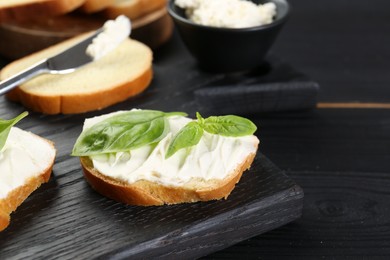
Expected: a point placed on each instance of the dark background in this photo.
(340, 157)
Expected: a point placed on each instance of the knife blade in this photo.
(64, 62)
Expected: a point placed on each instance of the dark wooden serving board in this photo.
(66, 219)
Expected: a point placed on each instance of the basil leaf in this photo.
(123, 132)
(200, 119)
(188, 136)
(230, 125)
(5, 127)
(175, 114)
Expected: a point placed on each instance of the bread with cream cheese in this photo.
(124, 72)
(153, 179)
(133, 8)
(29, 9)
(147, 193)
(26, 162)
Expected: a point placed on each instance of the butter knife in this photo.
(64, 62)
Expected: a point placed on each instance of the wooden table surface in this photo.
(338, 153)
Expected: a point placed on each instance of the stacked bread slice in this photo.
(29, 9)
(92, 6)
(133, 8)
(42, 23)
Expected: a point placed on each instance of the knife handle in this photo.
(14, 81)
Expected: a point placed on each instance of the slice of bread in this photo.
(147, 193)
(30, 9)
(92, 6)
(26, 162)
(133, 8)
(124, 72)
(145, 176)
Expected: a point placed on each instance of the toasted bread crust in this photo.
(72, 104)
(92, 6)
(133, 9)
(135, 77)
(146, 193)
(35, 8)
(18, 195)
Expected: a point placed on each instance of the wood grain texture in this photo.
(341, 160)
(345, 217)
(348, 105)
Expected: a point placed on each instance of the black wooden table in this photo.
(340, 156)
(338, 153)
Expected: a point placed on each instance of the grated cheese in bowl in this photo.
(228, 13)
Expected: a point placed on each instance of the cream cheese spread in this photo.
(228, 13)
(114, 32)
(23, 156)
(214, 157)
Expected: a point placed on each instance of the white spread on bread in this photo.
(23, 156)
(114, 32)
(214, 157)
(228, 13)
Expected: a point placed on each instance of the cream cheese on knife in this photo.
(114, 32)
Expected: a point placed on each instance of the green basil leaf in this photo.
(175, 114)
(5, 127)
(230, 125)
(188, 136)
(123, 132)
(200, 119)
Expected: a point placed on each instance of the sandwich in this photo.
(149, 157)
(26, 161)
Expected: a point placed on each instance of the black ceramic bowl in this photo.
(227, 49)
